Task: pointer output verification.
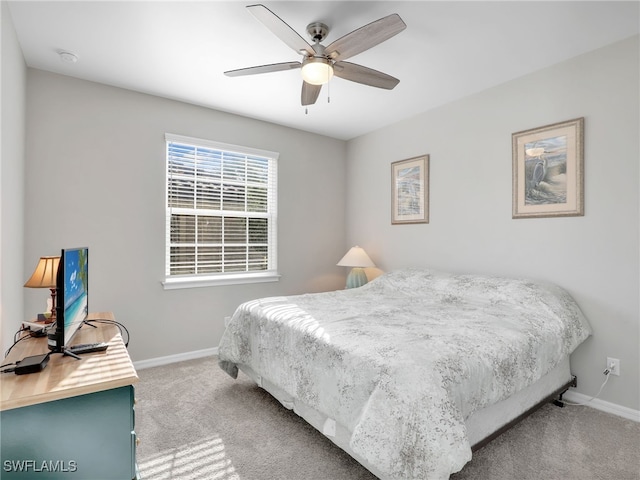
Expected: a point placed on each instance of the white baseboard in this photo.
(179, 357)
(625, 412)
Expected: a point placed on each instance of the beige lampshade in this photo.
(356, 257)
(45, 273)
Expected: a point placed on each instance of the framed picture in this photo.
(548, 170)
(410, 190)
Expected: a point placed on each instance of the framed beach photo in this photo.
(410, 190)
(548, 171)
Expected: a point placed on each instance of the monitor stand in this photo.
(85, 322)
(70, 354)
(65, 351)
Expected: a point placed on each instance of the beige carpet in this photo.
(196, 423)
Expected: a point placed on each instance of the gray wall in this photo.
(97, 153)
(101, 149)
(12, 141)
(594, 257)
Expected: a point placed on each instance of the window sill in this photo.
(194, 281)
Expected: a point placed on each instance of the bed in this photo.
(412, 370)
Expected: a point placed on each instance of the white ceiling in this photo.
(180, 49)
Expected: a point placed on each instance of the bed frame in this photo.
(555, 398)
(484, 425)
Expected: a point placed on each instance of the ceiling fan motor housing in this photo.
(317, 31)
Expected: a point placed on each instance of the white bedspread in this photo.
(403, 360)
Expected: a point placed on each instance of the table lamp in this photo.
(357, 258)
(44, 276)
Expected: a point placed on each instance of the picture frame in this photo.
(410, 190)
(548, 170)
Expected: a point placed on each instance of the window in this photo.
(221, 214)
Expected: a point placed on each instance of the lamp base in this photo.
(52, 317)
(356, 278)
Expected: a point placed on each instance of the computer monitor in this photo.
(72, 296)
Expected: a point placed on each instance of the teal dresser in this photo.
(73, 420)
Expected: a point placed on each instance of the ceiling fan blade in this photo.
(310, 93)
(273, 67)
(366, 37)
(281, 30)
(364, 75)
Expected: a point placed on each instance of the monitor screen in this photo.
(73, 292)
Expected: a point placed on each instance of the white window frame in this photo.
(233, 278)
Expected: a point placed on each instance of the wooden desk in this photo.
(76, 418)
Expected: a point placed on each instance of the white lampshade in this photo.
(356, 257)
(317, 70)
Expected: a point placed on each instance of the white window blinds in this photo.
(221, 209)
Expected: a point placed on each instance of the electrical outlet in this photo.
(613, 364)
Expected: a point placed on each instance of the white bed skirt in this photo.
(479, 425)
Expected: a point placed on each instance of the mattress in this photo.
(400, 364)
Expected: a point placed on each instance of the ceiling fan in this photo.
(320, 63)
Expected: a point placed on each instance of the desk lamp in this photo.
(357, 258)
(44, 276)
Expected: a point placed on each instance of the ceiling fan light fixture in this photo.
(317, 70)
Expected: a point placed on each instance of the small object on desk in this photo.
(33, 364)
(35, 326)
(88, 347)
